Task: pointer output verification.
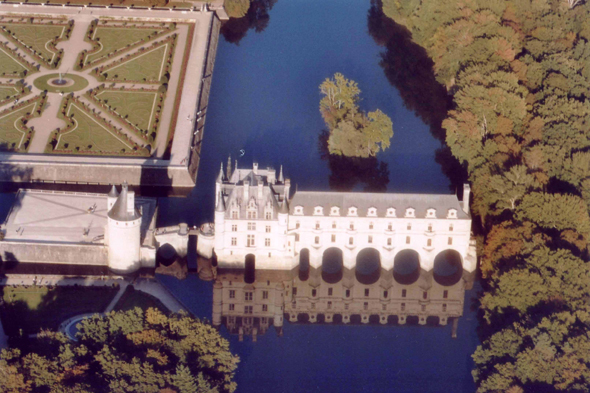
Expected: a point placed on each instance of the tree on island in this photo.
(125, 351)
(353, 133)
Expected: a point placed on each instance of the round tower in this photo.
(124, 233)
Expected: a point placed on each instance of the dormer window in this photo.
(410, 212)
(318, 211)
(390, 212)
(268, 215)
(335, 211)
(452, 213)
(298, 210)
(372, 212)
(431, 213)
(352, 211)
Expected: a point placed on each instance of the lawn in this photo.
(137, 107)
(133, 298)
(9, 134)
(114, 38)
(9, 65)
(33, 308)
(7, 92)
(148, 66)
(36, 36)
(90, 134)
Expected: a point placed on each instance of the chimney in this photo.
(271, 176)
(246, 190)
(466, 194)
(255, 168)
(287, 188)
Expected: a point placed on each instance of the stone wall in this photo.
(74, 254)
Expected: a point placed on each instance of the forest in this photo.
(518, 75)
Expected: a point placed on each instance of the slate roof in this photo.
(381, 201)
(120, 211)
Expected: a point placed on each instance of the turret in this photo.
(466, 195)
(281, 179)
(219, 180)
(112, 197)
(255, 168)
(124, 233)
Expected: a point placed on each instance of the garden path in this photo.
(74, 45)
(45, 124)
(118, 296)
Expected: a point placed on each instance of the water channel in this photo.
(265, 101)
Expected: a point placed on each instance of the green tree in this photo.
(236, 8)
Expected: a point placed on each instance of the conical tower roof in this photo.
(281, 179)
(284, 207)
(120, 210)
(220, 205)
(113, 193)
(220, 176)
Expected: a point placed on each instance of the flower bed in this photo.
(21, 124)
(21, 60)
(22, 91)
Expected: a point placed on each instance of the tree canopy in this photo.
(353, 133)
(125, 351)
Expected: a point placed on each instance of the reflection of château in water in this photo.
(250, 302)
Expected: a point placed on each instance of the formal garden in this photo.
(14, 133)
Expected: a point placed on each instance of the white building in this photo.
(258, 224)
(77, 232)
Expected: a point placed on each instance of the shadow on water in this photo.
(409, 69)
(256, 19)
(347, 172)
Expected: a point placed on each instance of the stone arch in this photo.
(406, 266)
(250, 269)
(304, 265)
(332, 265)
(368, 266)
(448, 267)
(166, 254)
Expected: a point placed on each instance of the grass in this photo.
(79, 83)
(9, 65)
(90, 132)
(34, 308)
(7, 92)
(148, 66)
(9, 134)
(137, 107)
(133, 298)
(112, 39)
(36, 36)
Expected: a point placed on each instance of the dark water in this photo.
(265, 100)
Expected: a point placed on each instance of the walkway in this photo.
(45, 124)
(118, 296)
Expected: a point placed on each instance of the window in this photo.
(299, 210)
(347, 293)
(317, 225)
(251, 214)
(251, 241)
(333, 224)
(366, 292)
(445, 294)
(333, 238)
(268, 215)
(429, 243)
(370, 239)
(267, 229)
(423, 307)
(352, 211)
(232, 307)
(404, 292)
(444, 308)
(314, 292)
(391, 212)
(403, 306)
(390, 227)
(318, 210)
(409, 227)
(267, 242)
(429, 227)
(407, 240)
(329, 291)
(234, 241)
(450, 241)
(317, 240)
(385, 294)
(371, 226)
(389, 241)
(265, 307)
(251, 226)
(265, 294)
(431, 213)
(234, 214)
(451, 228)
(234, 228)
(335, 211)
(248, 296)
(352, 226)
(294, 291)
(329, 305)
(452, 213)
(351, 241)
(297, 225)
(248, 309)
(424, 295)
(365, 306)
(232, 294)
(409, 212)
